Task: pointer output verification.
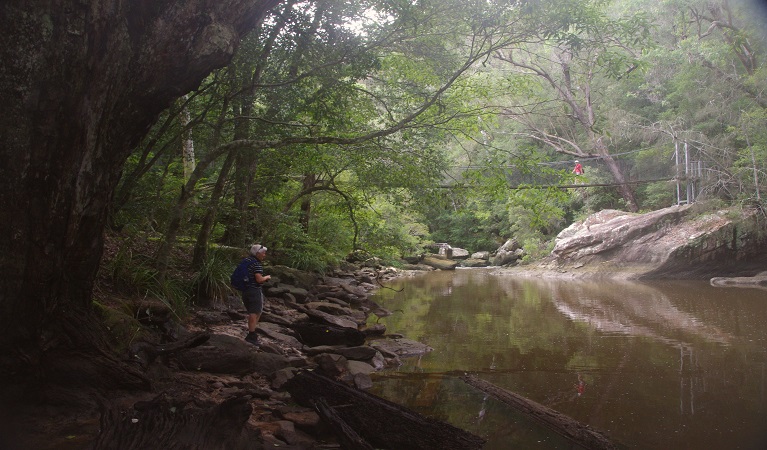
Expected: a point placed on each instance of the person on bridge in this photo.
(578, 170)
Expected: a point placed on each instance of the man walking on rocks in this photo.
(252, 295)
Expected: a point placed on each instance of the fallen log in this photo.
(562, 424)
(347, 437)
(383, 424)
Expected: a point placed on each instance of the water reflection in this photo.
(660, 365)
(633, 309)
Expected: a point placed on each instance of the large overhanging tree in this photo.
(578, 48)
(81, 82)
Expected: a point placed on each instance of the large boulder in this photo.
(480, 255)
(439, 263)
(506, 257)
(460, 253)
(510, 245)
(471, 262)
(675, 242)
(225, 354)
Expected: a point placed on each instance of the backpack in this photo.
(241, 276)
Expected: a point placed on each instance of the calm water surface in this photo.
(660, 365)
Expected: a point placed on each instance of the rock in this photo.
(277, 333)
(356, 367)
(330, 308)
(339, 321)
(510, 245)
(227, 354)
(314, 334)
(282, 376)
(212, 317)
(675, 242)
(151, 311)
(460, 253)
(505, 257)
(757, 281)
(413, 259)
(363, 381)
(359, 353)
(379, 362)
(418, 267)
(305, 419)
(376, 329)
(331, 364)
(319, 349)
(471, 262)
(400, 347)
(480, 255)
(441, 264)
(287, 291)
(337, 301)
(288, 433)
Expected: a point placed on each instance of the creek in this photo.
(653, 365)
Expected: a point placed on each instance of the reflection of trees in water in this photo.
(630, 309)
(635, 309)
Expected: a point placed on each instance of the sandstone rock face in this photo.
(675, 242)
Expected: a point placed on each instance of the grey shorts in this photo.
(253, 299)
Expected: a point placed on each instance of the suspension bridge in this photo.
(684, 167)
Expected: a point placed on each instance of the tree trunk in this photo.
(563, 425)
(381, 423)
(245, 165)
(625, 189)
(203, 237)
(82, 82)
(187, 142)
(309, 181)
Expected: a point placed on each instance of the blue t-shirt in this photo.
(254, 268)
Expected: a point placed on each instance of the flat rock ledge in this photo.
(679, 242)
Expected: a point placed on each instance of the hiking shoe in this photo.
(252, 338)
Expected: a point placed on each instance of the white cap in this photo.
(256, 249)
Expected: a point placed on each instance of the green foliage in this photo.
(468, 229)
(211, 282)
(293, 247)
(305, 254)
(134, 274)
(658, 195)
(536, 247)
(389, 231)
(537, 213)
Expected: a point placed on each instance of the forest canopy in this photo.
(383, 127)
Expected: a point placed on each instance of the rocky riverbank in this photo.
(202, 365)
